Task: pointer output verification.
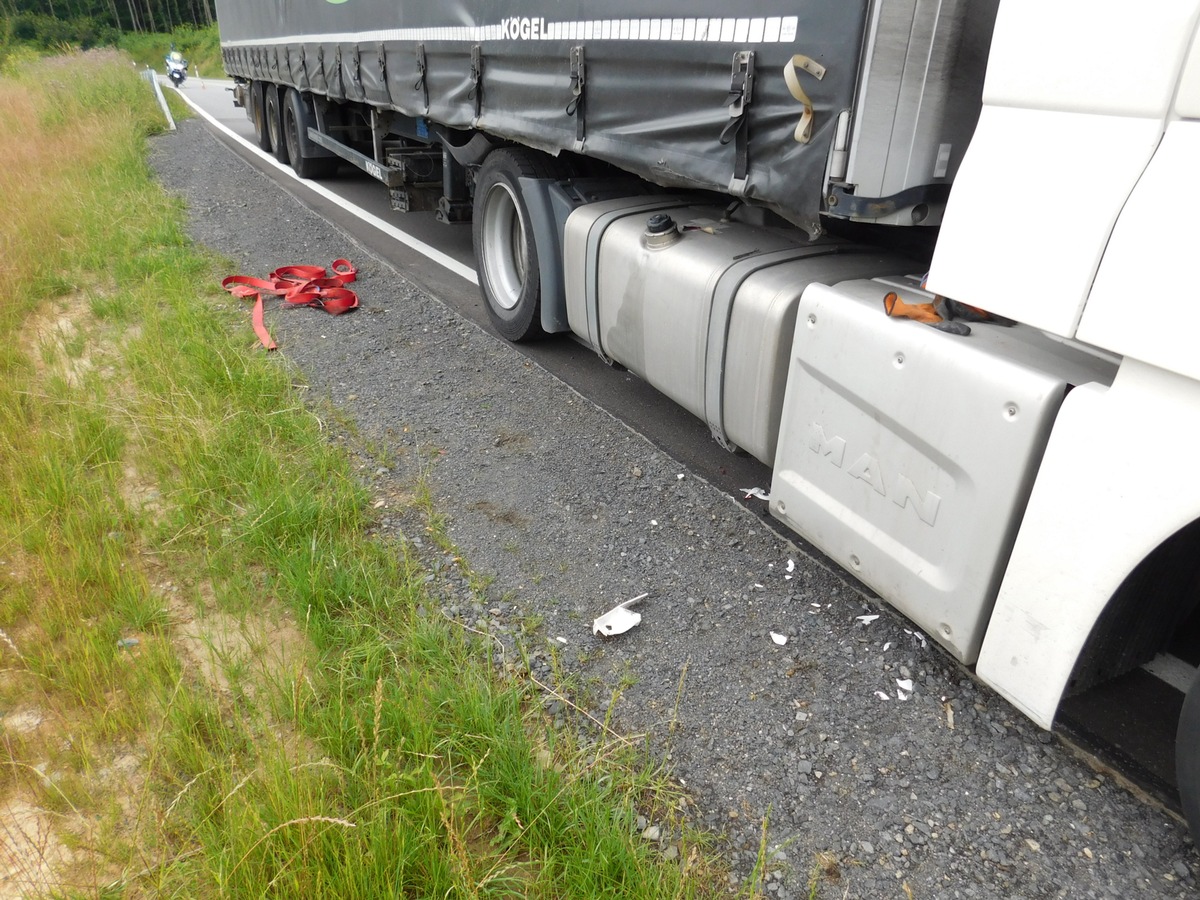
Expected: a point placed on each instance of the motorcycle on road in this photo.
(176, 68)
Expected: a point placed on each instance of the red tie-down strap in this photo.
(299, 285)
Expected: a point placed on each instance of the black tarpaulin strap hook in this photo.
(422, 85)
(383, 72)
(576, 107)
(741, 93)
(477, 78)
(305, 81)
(341, 75)
(803, 130)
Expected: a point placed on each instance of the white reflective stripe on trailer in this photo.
(729, 30)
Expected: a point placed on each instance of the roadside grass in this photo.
(213, 681)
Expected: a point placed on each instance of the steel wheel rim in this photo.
(291, 133)
(504, 259)
(273, 123)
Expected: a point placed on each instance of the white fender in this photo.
(1119, 477)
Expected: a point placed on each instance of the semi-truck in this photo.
(927, 262)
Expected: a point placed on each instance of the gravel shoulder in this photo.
(949, 793)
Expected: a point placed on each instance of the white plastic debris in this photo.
(867, 620)
(882, 696)
(779, 639)
(561, 640)
(905, 686)
(619, 619)
(791, 565)
(756, 492)
(887, 646)
(679, 476)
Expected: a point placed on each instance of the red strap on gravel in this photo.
(298, 285)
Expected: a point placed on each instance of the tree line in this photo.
(95, 22)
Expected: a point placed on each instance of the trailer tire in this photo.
(1187, 759)
(301, 151)
(502, 235)
(258, 115)
(275, 123)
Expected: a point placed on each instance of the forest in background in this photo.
(96, 19)
(145, 29)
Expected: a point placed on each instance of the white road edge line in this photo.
(431, 253)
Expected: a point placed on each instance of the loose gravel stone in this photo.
(564, 513)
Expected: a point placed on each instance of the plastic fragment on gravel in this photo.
(867, 620)
(882, 696)
(791, 565)
(561, 640)
(779, 639)
(887, 646)
(619, 619)
(756, 492)
(905, 686)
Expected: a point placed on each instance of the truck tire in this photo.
(258, 115)
(275, 123)
(1187, 759)
(502, 235)
(301, 151)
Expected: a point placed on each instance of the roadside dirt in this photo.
(46, 844)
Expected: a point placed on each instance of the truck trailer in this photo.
(835, 232)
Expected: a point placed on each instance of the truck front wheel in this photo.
(503, 238)
(1187, 759)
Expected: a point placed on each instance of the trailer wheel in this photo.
(1187, 759)
(258, 115)
(275, 123)
(296, 119)
(503, 237)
